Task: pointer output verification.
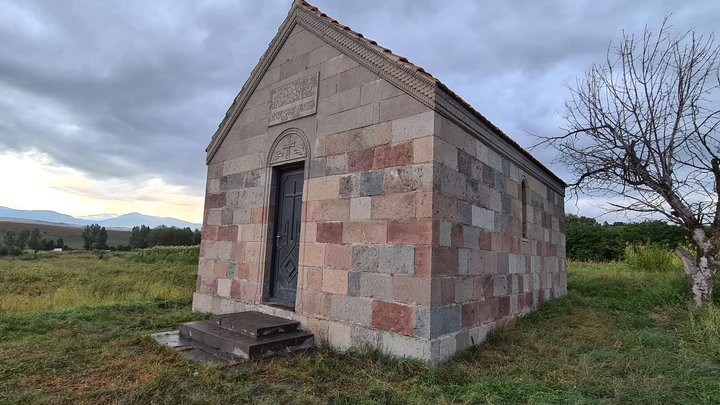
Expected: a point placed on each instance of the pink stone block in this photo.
(394, 206)
(338, 256)
(315, 303)
(323, 188)
(352, 232)
(423, 260)
(409, 289)
(215, 200)
(393, 155)
(313, 277)
(410, 233)
(228, 232)
(476, 313)
(335, 210)
(329, 232)
(335, 281)
(210, 232)
(313, 254)
(361, 160)
(392, 317)
(374, 232)
(424, 205)
(423, 149)
(443, 291)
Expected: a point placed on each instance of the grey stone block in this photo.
(464, 289)
(365, 258)
(360, 336)
(226, 217)
(351, 309)
(421, 321)
(232, 182)
(350, 185)
(442, 349)
(396, 259)
(483, 218)
(377, 90)
(408, 178)
(230, 271)
(337, 164)
(254, 179)
(360, 208)
(449, 182)
(445, 319)
(318, 167)
(464, 213)
(355, 77)
(500, 285)
(506, 200)
(516, 263)
(375, 285)
(371, 183)
(401, 106)
(445, 233)
(339, 335)
(471, 236)
(354, 283)
(463, 260)
(405, 346)
(416, 126)
(550, 264)
(241, 216)
(469, 166)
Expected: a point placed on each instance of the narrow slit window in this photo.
(524, 219)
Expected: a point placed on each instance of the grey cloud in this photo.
(146, 83)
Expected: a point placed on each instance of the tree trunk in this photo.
(700, 270)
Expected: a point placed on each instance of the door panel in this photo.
(286, 246)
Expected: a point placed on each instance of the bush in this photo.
(167, 254)
(587, 239)
(651, 258)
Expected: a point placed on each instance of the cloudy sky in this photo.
(107, 106)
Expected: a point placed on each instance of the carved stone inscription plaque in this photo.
(294, 100)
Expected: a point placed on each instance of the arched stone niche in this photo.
(289, 147)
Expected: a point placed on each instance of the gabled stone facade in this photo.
(422, 225)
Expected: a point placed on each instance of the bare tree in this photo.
(642, 130)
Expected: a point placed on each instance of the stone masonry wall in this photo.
(366, 243)
(411, 233)
(485, 272)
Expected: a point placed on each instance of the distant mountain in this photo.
(135, 219)
(98, 217)
(122, 221)
(47, 216)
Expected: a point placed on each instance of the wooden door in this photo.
(286, 244)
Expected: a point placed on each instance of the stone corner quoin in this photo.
(420, 230)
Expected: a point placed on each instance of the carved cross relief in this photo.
(289, 147)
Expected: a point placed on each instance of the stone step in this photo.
(238, 344)
(255, 324)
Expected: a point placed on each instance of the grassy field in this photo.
(72, 235)
(73, 329)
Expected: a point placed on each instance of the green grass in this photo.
(620, 336)
(166, 254)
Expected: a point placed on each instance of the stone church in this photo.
(350, 191)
